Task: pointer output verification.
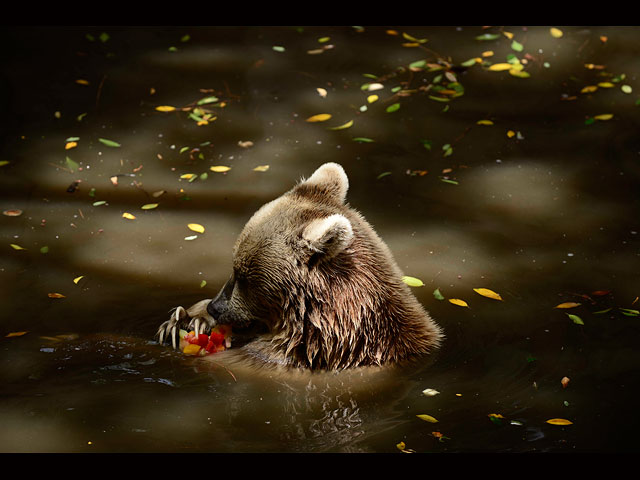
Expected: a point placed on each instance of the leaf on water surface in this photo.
(157, 194)
(606, 85)
(427, 418)
(220, 168)
(484, 122)
(70, 144)
(575, 319)
(488, 36)
(278, 48)
(188, 176)
(499, 67)
(430, 392)
(44, 249)
(457, 301)
(165, 108)
(564, 382)
(12, 213)
(77, 279)
(437, 295)
(372, 87)
(196, 227)
(413, 39)
(109, 143)
(343, 126)
(604, 116)
(471, 62)
(555, 32)
(412, 281)
(320, 117)
(99, 203)
(393, 108)
(517, 46)
(203, 283)
(485, 292)
(192, 237)
(207, 100)
(261, 168)
(630, 313)
(363, 140)
(382, 175)
(568, 305)
(589, 89)
(372, 98)
(15, 334)
(626, 88)
(559, 421)
(245, 144)
(149, 206)
(82, 81)
(55, 295)
(322, 92)
(128, 216)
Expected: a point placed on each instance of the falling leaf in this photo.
(457, 301)
(430, 392)
(343, 126)
(261, 168)
(413, 39)
(77, 279)
(149, 206)
(15, 334)
(55, 295)
(575, 319)
(157, 194)
(321, 117)
(17, 247)
(165, 108)
(488, 36)
(559, 421)
(412, 281)
(196, 227)
(499, 67)
(437, 295)
(555, 32)
(128, 216)
(485, 292)
(219, 168)
(564, 382)
(109, 143)
(567, 305)
(427, 418)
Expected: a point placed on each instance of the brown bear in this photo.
(315, 273)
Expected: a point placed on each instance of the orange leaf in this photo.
(15, 334)
(559, 421)
(55, 295)
(564, 382)
(568, 305)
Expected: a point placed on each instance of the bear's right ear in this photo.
(331, 180)
(328, 236)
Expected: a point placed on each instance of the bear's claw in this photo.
(195, 318)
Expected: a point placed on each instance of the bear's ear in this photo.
(331, 180)
(328, 236)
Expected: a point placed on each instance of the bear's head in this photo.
(326, 286)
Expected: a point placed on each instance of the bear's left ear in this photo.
(331, 180)
(329, 235)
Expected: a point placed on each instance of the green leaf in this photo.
(630, 313)
(488, 36)
(278, 48)
(418, 64)
(109, 143)
(469, 63)
(207, 100)
(98, 203)
(437, 295)
(363, 140)
(71, 164)
(412, 281)
(383, 174)
(393, 108)
(517, 46)
(426, 144)
(575, 319)
(149, 206)
(44, 249)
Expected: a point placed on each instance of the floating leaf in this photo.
(555, 32)
(188, 176)
(564, 382)
(15, 334)
(604, 116)
(559, 421)
(471, 62)
(192, 237)
(412, 281)
(430, 392)
(55, 295)
(261, 168)
(12, 213)
(109, 143)
(575, 319)
(484, 122)
(44, 249)
(165, 108)
(626, 88)
(16, 247)
(128, 216)
(149, 206)
(427, 418)
(499, 67)
(363, 140)
(630, 313)
(372, 98)
(278, 48)
(606, 85)
(77, 279)
(413, 39)
(589, 89)
(568, 305)
(457, 301)
(70, 145)
(437, 295)
(196, 227)
(207, 100)
(382, 175)
(321, 117)
(488, 36)
(517, 46)
(374, 86)
(219, 168)
(322, 92)
(203, 283)
(485, 292)
(393, 108)
(343, 126)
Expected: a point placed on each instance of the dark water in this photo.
(546, 216)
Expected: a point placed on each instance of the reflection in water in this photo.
(545, 216)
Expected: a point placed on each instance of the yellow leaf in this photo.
(70, 145)
(55, 295)
(322, 92)
(220, 168)
(567, 305)
(589, 89)
(401, 446)
(196, 227)
(16, 247)
(488, 53)
(412, 281)
(343, 126)
(499, 67)
(457, 301)
(321, 117)
(14, 334)
(372, 98)
(427, 418)
(559, 421)
(188, 176)
(77, 279)
(511, 134)
(128, 216)
(555, 32)
(606, 85)
(484, 122)
(495, 415)
(485, 292)
(604, 116)
(165, 108)
(509, 35)
(149, 206)
(261, 168)
(81, 81)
